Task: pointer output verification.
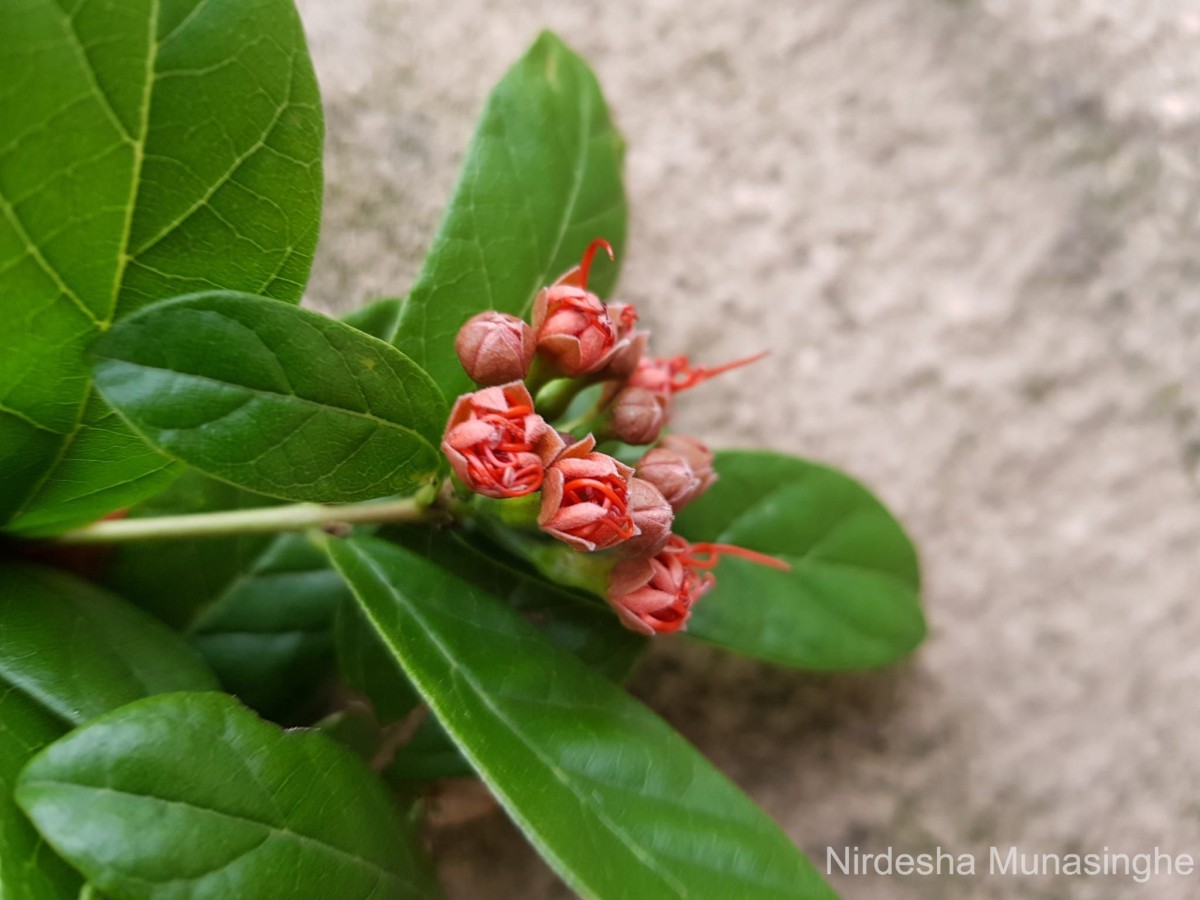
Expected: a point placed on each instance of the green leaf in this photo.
(571, 619)
(274, 399)
(619, 804)
(269, 636)
(68, 652)
(147, 149)
(192, 795)
(259, 608)
(379, 319)
(541, 179)
(178, 580)
(79, 651)
(28, 869)
(368, 667)
(852, 598)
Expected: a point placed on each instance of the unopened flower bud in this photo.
(574, 331)
(496, 444)
(681, 467)
(656, 595)
(652, 515)
(495, 348)
(636, 416)
(585, 499)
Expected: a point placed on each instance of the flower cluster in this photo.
(501, 447)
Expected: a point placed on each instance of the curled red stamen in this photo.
(577, 487)
(714, 552)
(684, 376)
(585, 264)
(496, 444)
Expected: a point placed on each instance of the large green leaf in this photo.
(269, 634)
(541, 178)
(852, 598)
(571, 619)
(68, 652)
(273, 398)
(29, 870)
(369, 668)
(178, 580)
(79, 651)
(192, 795)
(618, 803)
(147, 148)
(259, 608)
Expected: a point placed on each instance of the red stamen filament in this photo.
(600, 323)
(713, 553)
(616, 519)
(585, 265)
(683, 376)
(577, 487)
(495, 465)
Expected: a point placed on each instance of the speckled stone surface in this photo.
(970, 233)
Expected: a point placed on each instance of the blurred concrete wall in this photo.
(969, 232)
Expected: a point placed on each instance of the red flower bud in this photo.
(656, 595)
(653, 517)
(670, 376)
(495, 348)
(574, 329)
(585, 499)
(681, 467)
(497, 445)
(636, 416)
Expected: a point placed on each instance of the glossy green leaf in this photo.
(79, 651)
(269, 635)
(571, 619)
(619, 804)
(68, 652)
(379, 319)
(178, 580)
(274, 399)
(852, 598)
(147, 149)
(368, 667)
(259, 608)
(541, 179)
(29, 870)
(192, 795)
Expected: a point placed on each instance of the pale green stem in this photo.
(266, 520)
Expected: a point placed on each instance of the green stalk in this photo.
(266, 520)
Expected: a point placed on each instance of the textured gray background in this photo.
(969, 232)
